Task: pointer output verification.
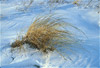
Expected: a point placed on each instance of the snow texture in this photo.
(14, 22)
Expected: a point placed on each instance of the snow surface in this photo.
(14, 22)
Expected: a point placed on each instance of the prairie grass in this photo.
(56, 1)
(48, 34)
(76, 2)
(26, 4)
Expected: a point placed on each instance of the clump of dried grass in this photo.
(47, 33)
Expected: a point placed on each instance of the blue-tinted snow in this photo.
(14, 22)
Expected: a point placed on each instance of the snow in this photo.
(14, 22)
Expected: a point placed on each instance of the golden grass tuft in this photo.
(47, 33)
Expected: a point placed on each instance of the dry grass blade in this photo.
(25, 4)
(57, 1)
